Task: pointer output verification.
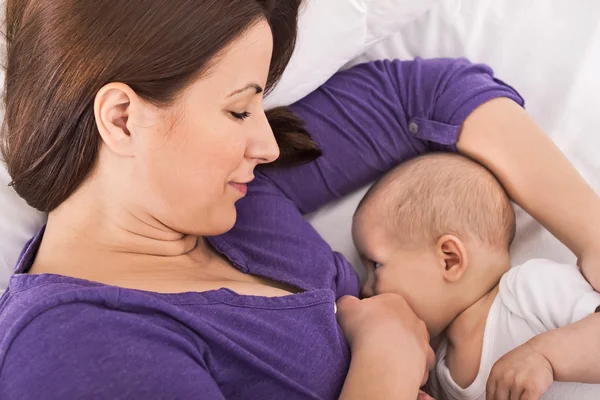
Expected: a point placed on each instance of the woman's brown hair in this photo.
(60, 53)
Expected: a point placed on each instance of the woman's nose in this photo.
(263, 147)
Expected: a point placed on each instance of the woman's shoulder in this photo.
(64, 338)
(32, 295)
(46, 307)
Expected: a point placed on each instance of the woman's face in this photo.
(193, 163)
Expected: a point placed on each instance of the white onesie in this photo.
(535, 297)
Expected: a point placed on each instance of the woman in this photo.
(169, 267)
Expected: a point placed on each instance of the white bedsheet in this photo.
(549, 50)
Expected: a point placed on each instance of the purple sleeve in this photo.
(82, 351)
(371, 117)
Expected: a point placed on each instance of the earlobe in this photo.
(112, 109)
(453, 257)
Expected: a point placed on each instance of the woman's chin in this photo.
(215, 222)
(223, 221)
(227, 225)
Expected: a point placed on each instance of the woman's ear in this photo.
(453, 257)
(113, 109)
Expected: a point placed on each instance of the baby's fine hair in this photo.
(441, 193)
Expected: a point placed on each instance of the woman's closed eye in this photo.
(240, 116)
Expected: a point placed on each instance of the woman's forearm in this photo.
(573, 351)
(378, 373)
(503, 137)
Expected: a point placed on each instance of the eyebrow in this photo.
(249, 86)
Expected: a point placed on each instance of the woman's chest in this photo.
(287, 347)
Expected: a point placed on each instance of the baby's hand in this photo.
(524, 373)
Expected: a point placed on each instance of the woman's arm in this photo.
(370, 118)
(537, 176)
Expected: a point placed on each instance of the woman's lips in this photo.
(240, 187)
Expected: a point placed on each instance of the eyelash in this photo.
(376, 265)
(241, 116)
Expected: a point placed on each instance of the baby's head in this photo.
(436, 230)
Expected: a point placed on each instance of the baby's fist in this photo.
(523, 373)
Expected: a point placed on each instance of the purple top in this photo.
(65, 338)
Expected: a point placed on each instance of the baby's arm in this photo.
(573, 350)
(556, 300)
(568, 354)
(568, 307)
(537, 176)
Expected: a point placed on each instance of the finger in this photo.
(424, 396)
(425, 331)
(529, 395)
(490, 389)
(516, 393)
(430, 359)
(347, 302)
(502, 393)
(425, 378)
(430, 365)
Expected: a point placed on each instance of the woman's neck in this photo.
(114, 255)
(88, 238)
(108, 244)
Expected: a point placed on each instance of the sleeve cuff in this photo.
(443, 136)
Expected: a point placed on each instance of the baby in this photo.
(437, 230)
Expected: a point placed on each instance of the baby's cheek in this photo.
(384, 285)
(388, 283)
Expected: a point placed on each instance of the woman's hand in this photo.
(387, 321)
(522, 374)
(391, 356)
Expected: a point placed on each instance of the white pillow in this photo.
(18, 223)
(331, 33)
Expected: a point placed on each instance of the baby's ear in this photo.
(453, 257)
